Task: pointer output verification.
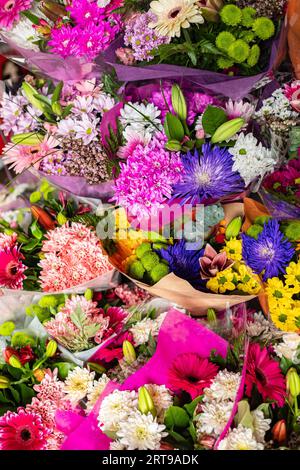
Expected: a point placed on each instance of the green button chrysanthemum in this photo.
(254, 55)
(224, 39)
(247, 36)
(248, 16)
(264, 28)
(239, 51)
(224, 63)
(231, 15)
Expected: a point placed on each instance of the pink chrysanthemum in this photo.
(22, 431)
(131, 296)
(51, 389)
(191, 373)
(264, 373)
(73, 256)
(11, 268)
(23, 157)
(10, 11)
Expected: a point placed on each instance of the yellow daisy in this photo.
(233, 249)
(292, 277)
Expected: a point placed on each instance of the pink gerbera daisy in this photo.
(11, 268)
(191, 373)
(22, 431)
(264, 372)
(10, 11)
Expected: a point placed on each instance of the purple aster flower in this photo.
(184, 263)
(207, 177)
(270, 253)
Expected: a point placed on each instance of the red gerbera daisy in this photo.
(22, 431)
(191, 373)
(265, 373)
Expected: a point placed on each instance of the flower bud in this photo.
(227, 130)
(4, 382)
(28, 138)
(128, 352)
(233, 228)
(145, 402)
(88, 294)
(30, 93)
(35, 197)
(279, 431)
(179, 103)
(61, 219)
(51, 348)
(293, 382)
(52, 10)
(57, 109)
(96, 367)
(39, 374)
(14, 362)
(207, 441)
(211, 315)
(43, 218)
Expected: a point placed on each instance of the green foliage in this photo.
(212, 119)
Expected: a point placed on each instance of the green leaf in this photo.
(30, 245)
(178, 437)
(64, 368)
(3, 398)
(27, 393)
(213, 118)
(176, 417)
(173, 145)
(7, 328)
(15, 373)
(78, 317)
(285, 364)
(244, 416)
(57, 92)
(44, 100)
(15, 394)
(173, 128)
(33, 18)
(192, 431)
(36, 231)
(190, 407)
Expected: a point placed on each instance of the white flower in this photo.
(65, 127)
(142, 330)
(141, 117)
(86, 129)
(78, 383)
(95, 390)
(289, 348)
(214, 417)
(116, 408)
(141, 432)
(130, 134)
(24, 35)
(83, 105)
(162, 399)
(116, 445)
(261, 425)
(224, 387)
(251, 159)
(103, 103)
(172, 15)
(243, 109)
(240, 439)
(277, 107)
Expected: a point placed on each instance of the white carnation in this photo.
(78, 383)
(214, 417)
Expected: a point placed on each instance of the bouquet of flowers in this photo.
(57, 250)
(222, 37)
(186, 147)
(60, 38)
(55, 131)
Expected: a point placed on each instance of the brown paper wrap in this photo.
(293, 34)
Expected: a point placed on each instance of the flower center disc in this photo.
(175, 12)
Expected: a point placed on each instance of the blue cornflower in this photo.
(207, 176)
(270, 253)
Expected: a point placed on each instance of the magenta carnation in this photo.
(10, 11)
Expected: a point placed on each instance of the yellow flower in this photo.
(248, 281)
(284, 321)
(292, 277)
(276, 290)
(213, 285)
(223, 281)
(233, 249)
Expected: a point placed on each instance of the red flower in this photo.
(265, 373)
(25, 355)
(22, 431)
(113, 351)
(191, 373)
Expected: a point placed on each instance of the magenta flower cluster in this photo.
(147, 177)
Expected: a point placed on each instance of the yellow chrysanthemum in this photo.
(277, 291)
(172, 15)
(224, 281)
(284, 321)
(233, 249)
(248, 281)
(292, 277)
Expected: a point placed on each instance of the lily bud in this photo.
(279, 431)
(233, 228)
(179, 103)
(4, 382)
(293, 382)
(145, 402)
(51, 348)
(88, 294)
(61, 219)
(57, 109)
(43, 218)
(15, 362)
(52, 10)
(30, 93)
(211, 315)
(129, 352)
(35, 197)
(96, 367)
(227, 130)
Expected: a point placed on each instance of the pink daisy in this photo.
(265, 374)
(11, 268)
(239, 109)
(22, 431)
(10, 11)
(191, 373)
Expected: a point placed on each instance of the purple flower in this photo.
(208, 176)
(83, 11)
(270, 253)
(64, 41)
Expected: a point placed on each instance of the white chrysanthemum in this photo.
(78, 383)
(224, 387)
(142, 330)
(260, 424)
(277, 107)
(172, 15)
(24, 35)
(214, 417)
(116, 445)
(116, 408)
(251, 159)
(94, 392)
(141, 432)
(141, 117)
(289, 348)
(240, 439)
(162, 399)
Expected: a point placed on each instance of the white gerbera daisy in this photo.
(78, 383)
(214, 417)
(260, 424)
(141, 432)
(240, 439)
(289, 348)
(172, 15)
(95, 390)
(116, 408)
(162, 399)
(223, 387)
(141, 117)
